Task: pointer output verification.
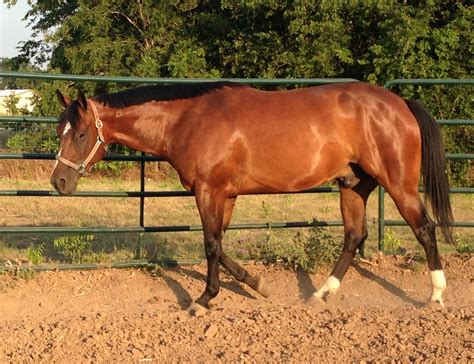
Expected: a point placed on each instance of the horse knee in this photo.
(212, 248)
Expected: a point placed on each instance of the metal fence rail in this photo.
(142, 159)
(142, 194)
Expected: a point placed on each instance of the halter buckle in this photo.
(82, 170)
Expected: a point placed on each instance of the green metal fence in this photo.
(142, 159)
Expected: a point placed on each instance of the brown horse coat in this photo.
(226, 139)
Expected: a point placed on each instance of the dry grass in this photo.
(73, 211)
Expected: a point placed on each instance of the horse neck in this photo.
(141, 127)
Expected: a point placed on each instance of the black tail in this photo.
(435, 178)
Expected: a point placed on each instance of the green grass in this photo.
(287, 244)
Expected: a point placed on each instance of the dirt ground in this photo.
(136, 316)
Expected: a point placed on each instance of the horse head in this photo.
(82, 142)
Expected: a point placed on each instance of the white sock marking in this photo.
(329, 287)
(439, 285)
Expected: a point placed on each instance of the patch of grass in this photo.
(462, 246)
(241, 244)
(17, 270)
(307, 250)
(34, 254)
(74, 247)
(391, 243)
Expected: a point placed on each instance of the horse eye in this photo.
(81, 136)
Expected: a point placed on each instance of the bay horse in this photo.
(226, 139)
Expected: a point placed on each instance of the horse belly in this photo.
(295, 165)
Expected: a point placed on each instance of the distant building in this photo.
(25, 100)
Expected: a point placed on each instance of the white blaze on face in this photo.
(67, 128)
(439, 285)
(329, 287)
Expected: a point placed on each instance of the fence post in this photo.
(381, 219)
(138, 252)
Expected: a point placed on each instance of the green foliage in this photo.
(10, 104)
(308, 251)
(34, 254)
(35, 138)
(463, 246)
(392, 244)
(74, 247)
(114, 169)
(368, 40)
(415, 262)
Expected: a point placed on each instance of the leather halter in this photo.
(82, 168)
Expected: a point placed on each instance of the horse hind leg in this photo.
(353, 208)
(414, 212)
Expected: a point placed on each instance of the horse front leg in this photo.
(238, 272)
(210, 203)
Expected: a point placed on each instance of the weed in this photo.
(34, 254)
(74, 247)
(462, 246)
(392, 244)
(304, 250)
(26, 274)
(416, 262)
(154, 270)
(323, 246)
(16, 270)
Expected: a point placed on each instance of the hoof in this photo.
(315, 301)
(435, 305)
(262, 287)
(195, 309)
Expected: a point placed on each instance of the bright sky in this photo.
(12, 28)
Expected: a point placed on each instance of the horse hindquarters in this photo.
(435, 182)
(404, 192)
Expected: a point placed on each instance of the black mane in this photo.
(140, 95)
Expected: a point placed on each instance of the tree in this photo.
(367, 40)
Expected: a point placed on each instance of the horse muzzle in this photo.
(65, 182)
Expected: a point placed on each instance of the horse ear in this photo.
(63, 100)
(82, 99)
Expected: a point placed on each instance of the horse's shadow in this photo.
(390, 287)
(307, 288)
(182, 295)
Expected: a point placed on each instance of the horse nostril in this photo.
(62, 183)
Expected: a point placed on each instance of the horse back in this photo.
(251, 140)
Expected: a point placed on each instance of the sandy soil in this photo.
(136, 316)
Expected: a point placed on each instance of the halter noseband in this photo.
(81, 168)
